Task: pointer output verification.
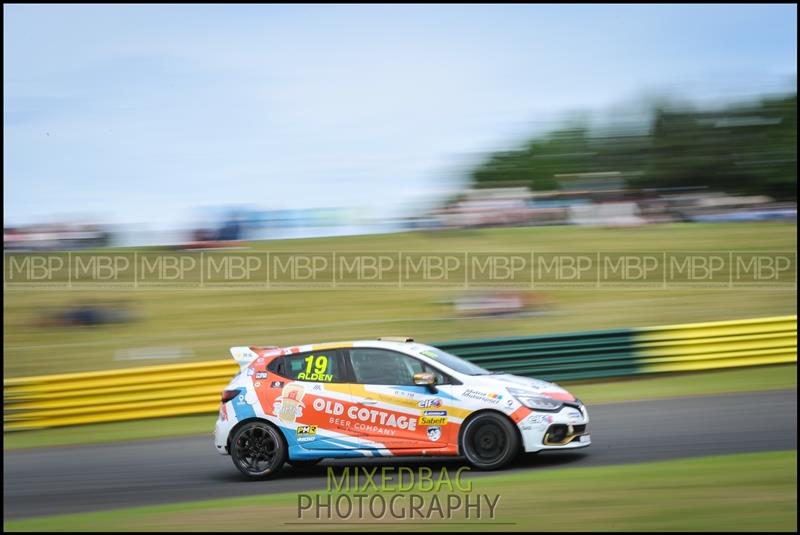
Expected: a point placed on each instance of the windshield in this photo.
(453, 362)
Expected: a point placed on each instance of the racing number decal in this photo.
(316, 368)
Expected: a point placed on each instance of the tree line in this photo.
(743, 148)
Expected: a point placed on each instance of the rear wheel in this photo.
(258, 450)
(489, 441)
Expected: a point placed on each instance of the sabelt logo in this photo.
(433, 418)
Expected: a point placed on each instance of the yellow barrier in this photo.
(112, 396)
(182, 389)
(719, 344)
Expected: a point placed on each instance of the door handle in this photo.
(368, 402)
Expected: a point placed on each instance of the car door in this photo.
(312, 404)
(392, 413)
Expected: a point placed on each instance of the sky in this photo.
(149, 113)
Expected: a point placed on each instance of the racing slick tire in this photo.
(489, 441)
(258, 450)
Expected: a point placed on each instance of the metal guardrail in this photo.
(183, 389)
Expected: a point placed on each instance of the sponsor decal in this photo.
(536, 421)
(488, 397)
(316, 368)
(250, 371)
(430, 354)
(432, 402)
(363, 418)
(434, 433)
(318, 388)
(243, 405)
(306, 433)
(261, 375)
(433, 418)
(536, 418)
(575, 415)
(276, 384)
(289, 405)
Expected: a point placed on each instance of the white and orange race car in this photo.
(385, 398)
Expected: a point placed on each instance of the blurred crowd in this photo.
(474, 208)
(48, 237)
(602, 207)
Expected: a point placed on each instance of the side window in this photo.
(277, 366)
(316, 366)
(383, 367)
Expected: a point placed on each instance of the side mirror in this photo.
(425, 379)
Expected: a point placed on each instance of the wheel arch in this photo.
(480, 412)
(240, 424)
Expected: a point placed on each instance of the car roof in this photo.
(403, 347)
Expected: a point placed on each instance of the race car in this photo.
(389, 397)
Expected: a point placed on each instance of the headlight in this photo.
(532, 401)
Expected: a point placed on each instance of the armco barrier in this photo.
(148, 392)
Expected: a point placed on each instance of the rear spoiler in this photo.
(244, 355)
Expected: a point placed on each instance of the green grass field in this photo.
(185, 325)
(688, 384)
(746, 492)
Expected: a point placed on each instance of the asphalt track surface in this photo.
(72, 479)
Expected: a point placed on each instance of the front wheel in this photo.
(258, 450)
(489, 441)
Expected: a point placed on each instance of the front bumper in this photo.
(562, 430)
